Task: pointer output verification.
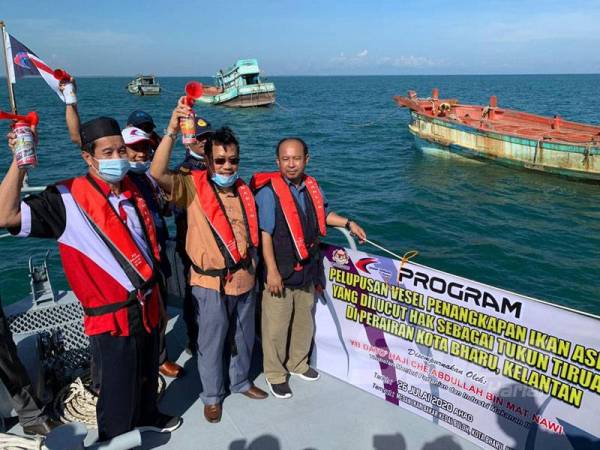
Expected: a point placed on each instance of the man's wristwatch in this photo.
(171, 134)
(347, 226)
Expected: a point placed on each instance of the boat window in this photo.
(251, 78)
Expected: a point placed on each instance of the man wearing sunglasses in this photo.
(221, 243)
(293, 214)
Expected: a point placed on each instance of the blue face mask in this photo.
(112, 170)
(224, 180)
(194, 154)
(139, 166)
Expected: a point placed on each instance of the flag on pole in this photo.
(22, 62)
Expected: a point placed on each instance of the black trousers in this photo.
(15, 378)
(128, 381)
(189, 303)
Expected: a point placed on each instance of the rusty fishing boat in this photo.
(510, 137)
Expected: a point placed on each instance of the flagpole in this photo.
(11, 92)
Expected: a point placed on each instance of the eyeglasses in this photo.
(232, 161)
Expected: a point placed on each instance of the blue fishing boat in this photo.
(239, 86)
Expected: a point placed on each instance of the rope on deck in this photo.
(13, 442)
(76, 402)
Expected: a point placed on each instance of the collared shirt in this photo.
(201, 245)
(265, 201)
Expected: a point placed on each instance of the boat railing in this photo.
(348, 236)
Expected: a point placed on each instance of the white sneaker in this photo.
(162, 424)
(280, 390)
(310, 375)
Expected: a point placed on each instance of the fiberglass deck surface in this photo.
(324, 415)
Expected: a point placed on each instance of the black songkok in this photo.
(98, 128)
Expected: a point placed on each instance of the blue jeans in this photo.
(220, 316)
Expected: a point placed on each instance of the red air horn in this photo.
(62, 75)
(68, 90)
(31, 118)
(193, 91)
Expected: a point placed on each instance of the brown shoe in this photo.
(212, 413)
(255, 393)
(171, 369)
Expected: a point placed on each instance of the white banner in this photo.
(502, 370)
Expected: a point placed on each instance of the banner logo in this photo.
(340, 257)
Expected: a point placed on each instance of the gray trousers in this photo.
(14, 376)
(220, 316)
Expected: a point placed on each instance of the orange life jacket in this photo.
(289, 208)
(114, 232)
(223, 232)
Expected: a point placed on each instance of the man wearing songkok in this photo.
(109, 250)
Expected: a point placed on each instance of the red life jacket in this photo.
(114, 232)
(223, 232)
(288, 205)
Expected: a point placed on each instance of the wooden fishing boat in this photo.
(509, 137)
(144, 85)
(240, 86)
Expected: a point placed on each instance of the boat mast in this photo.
(11, 92)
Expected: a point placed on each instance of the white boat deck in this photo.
(324, 415)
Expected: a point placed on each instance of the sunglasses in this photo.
(232, 161)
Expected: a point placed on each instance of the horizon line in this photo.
(2, 76)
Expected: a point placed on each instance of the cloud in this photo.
(359, 59)
(364, 62)
(410, 61)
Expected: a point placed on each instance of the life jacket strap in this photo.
(227, 272)
(134, 297)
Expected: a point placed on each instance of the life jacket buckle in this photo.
(142, 299)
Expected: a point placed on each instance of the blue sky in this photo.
(349, 37)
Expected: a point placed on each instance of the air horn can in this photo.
(25, 147)
(193, 91)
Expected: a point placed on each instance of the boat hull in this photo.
(143, 90)
(244, 97)
(575, 161)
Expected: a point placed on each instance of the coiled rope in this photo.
(14, 442)
(76, 402)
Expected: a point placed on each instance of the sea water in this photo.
(536, 234)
